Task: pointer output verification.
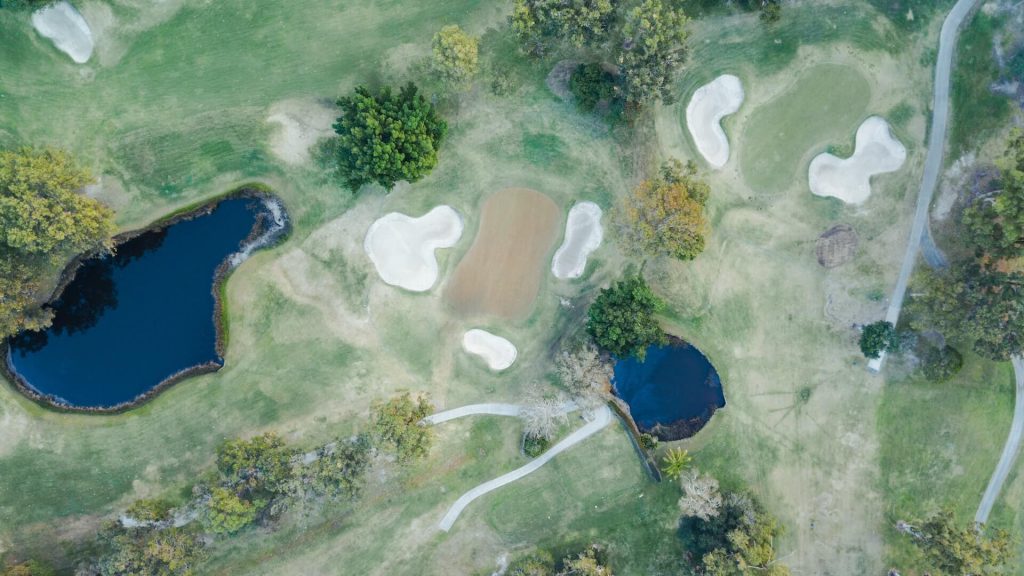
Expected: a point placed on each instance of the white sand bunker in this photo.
(496, 351)
(709, 104)
(65, 27)
(849, 179)
(402, 247)
(583, 235)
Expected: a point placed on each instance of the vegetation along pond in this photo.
(130, 323)
(672, 393)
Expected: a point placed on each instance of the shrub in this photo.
(534, 446)
(941, 364)
(877, 337)
(589, 84)
(455, 56)
(150, 510)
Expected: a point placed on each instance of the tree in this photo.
(590, 562)
(29, 568)
(969, 551)
(399, 424)
(227, 513)
(939, 364)
(143, 552)
(41, 211)
(653, 50)
(585, 375)
(664, 215)
(977, 302)
(622, 318)
(43, 222)
(675, 462)
(455, 56)
(701, 498)
(539, 563)
(579, 22)
(258, 466)
(738, 541)
(542, 414)
(590, 83)
(338, 471)
(150, 510)
(996, 225)
(771, 11)
(876, 338)
(387, 137)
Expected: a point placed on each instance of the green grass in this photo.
(824, 106)
(978, 112)
(943, 442)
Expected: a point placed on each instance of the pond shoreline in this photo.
(260, 228)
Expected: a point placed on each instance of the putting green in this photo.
(825, 105)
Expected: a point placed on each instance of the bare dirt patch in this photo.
(301, 123)
(500, 275)
(837, 246)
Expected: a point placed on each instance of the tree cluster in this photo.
(592, 561)
(44, 221)
(969, 549)
(645, 39)
(398, 424)
(664, 215)
(623, 318)
(385, 138)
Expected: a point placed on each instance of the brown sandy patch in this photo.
(500, 275)
(837, 246)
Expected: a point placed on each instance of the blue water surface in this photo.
(129, 321)
(673, 383)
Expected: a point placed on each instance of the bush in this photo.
(534, 446)
(622, 318)
(150, 510)
(941, 364)
(227, 513)
(589, 84)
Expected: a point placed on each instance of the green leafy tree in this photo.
(456, 57)
(29, 568)
(996, 225)
(589, 84)
(664, 215)
(653, 50)
(878, 337)
(260, 465)
(141, 552)
(387, 137)
(150, 510)
(737, 541)
(771, 11)
(970, 550)
(675, 462)
(939, 364)
(228, 513)
(590, 562)
(539, 563)
(622, 319)
(977, 303)
(339, 472)
(399, 424)
(579, 22)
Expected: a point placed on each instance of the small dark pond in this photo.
(130, 321)
(672, 393)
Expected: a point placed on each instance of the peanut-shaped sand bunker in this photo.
(849, 179)
(402, 247)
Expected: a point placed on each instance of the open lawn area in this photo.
(174, 109)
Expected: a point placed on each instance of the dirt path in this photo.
(933, 161)
(601, 418)
(1010, 449)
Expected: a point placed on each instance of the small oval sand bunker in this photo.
(496, 351)
(849, 179)
(402, 247)
(710, 103)
(583, 235)
(66, 28)
(501, 273)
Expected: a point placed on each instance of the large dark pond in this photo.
(130, 321)
(672, 393)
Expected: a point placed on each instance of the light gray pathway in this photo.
(495, 409)
(1010, 449)
(601, 418)
(933, 160)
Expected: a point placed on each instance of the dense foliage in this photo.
(737, 540)
(664, 215)
(455, 56)
(622, 320)
(398, 423)
(653, 50)
(592, 561)
(590, 83)
(877, 337)
(150, 510)
(338, 470)
(29, 568)
(44, 221)
(579, 22)
(971, 549)
(145, 552)
(940, 363)
(996, 224)
(386, 137)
